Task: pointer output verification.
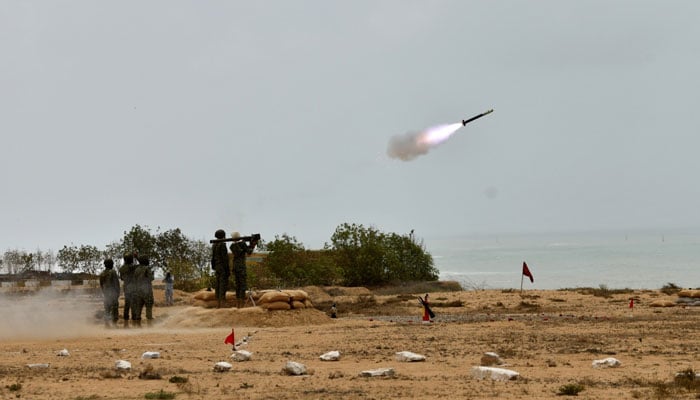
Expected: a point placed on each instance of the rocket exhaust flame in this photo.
(410, 145)
(438, 134)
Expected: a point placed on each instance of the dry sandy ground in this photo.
(550, 337)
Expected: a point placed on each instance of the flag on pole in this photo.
(526, 272)
(230, 339)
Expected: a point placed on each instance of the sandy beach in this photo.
(550, 338)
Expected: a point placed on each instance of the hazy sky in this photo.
(274, 117)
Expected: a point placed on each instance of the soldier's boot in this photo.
(126, 323)
(137, 323)
(149, 313)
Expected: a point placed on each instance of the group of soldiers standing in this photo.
(220, 264)
(138, 290)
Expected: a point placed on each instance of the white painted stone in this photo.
(241, 355)
(222, 366)
(122, 365)
(330, 356)
(407, 356)
(378, 372)
(496, 374)
(491, 358)
(607, 363)
(294, 368)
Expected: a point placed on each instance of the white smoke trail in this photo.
(410, 145)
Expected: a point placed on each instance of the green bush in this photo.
(160, 395)
(571, 389)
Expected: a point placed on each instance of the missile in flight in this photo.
(466, 121)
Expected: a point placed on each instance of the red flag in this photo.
(230, 339)
(526, 272)
(632, 303)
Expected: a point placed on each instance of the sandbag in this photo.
(205, 295)
(689, 293)
(274, 297)
(276, 305)
(308, 303)
(205, 303)
(297, 295)
(662, 303)
(298, 305)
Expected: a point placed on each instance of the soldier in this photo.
(219, 263)
(109, 283)
(148, 282)
(240, 250)
(143, 291)
(126, 273)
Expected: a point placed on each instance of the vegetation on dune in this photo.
(357, 256)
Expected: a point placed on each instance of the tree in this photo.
(293, 265)
(45, 260)
(18, 261)
(360, 255)
(407, 259)
(201, 257)
(367, 256)
(140, 240)
(86, 258)
(171, 246)
(182, 256)
(115, 251)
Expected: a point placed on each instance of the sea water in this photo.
(616, 260)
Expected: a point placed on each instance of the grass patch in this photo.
(149, 373)
(603, 291)
(528, 306)
(14, 387)
(454, 303)
(178, 379)
(557, 300)
(160, 395)
(688, 380)
(571, 389)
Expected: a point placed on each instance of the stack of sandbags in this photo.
(689, 297)
(662, 303)
(207, 299)
(284, 300)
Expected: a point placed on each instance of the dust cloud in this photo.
(49, 313)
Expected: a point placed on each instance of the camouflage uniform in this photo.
(219, 263)
(109, 283)
(126, 273)
(143, 290)
(240, 250)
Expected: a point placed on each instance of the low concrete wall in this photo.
(32, 284)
